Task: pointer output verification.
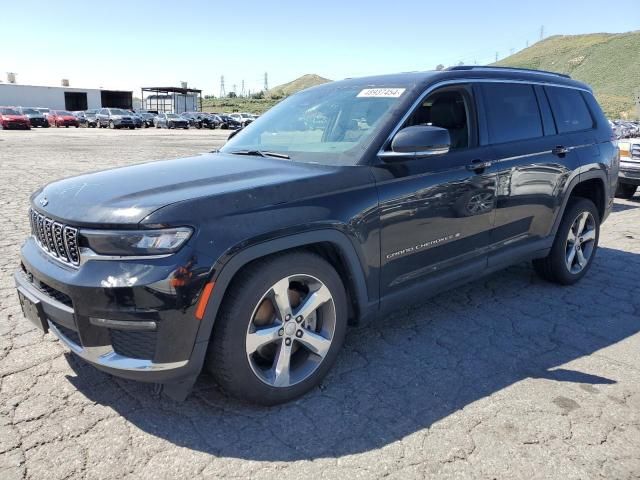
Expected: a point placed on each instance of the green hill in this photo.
(610, 63)
(305, 81)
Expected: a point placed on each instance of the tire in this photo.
(555, 266)
(237, 371)
(132, 128)
(112, 125)
(625, 190)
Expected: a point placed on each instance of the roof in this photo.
(422, 79)
(171, 90)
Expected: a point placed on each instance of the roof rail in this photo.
(509, 69)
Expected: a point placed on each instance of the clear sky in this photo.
(129, 44)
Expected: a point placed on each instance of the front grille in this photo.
(60, 241)
(53, 293)
(141, 345)
(70, 335)
(635, 151)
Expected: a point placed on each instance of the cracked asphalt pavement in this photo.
(506, 377)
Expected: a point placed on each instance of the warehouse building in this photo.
(63, 98)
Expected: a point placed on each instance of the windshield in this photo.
(172, 115)
(118, 111)
(64, 112)
(8, 111)
(30, 111)
(328, 125)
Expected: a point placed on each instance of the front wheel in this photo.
(112, 125)
(625, 190)
(574, 246)
(279, 330)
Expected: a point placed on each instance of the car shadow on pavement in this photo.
(621, 207)
(401, 374)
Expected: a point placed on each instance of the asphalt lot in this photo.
(507, 377)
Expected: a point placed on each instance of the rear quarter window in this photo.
(569, 109)
(512, 112)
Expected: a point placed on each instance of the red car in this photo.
(11, 118)
(62, 118)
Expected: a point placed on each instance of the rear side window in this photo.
(569, 109)
(512, 112)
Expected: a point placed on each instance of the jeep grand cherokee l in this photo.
(338, 204)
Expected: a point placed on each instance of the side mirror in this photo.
(416, 142)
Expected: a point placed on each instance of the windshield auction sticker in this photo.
(381, 92)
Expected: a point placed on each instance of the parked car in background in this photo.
(87, 118)
(114, 118)
(171, 120)
(199, 119)
(137, 119)
(62, 118)
(194, 120)
(226, 122)
(147, 118)
(243, 118)
(11, 118)
(44, 111)
(629, 174)
(36, 118)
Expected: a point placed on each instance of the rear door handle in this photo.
(559, 150)
(478, 165)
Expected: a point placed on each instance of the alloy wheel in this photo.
(291, 330)
(580, 242)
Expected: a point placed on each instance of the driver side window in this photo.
(446, 108)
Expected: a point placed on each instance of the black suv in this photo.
(340, 203)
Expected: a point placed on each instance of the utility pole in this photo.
(527, 43)
(233, 89)
(542, 32)
(496, 56)
(223, 93)
(266, 82)
(242, 89)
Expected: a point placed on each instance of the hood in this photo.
(15, 117)
(125, 196)
(67, 117)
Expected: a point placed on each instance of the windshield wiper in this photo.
(260, 153)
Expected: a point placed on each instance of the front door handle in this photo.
(560, 150)
(478, 166)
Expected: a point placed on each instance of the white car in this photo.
(244, 118)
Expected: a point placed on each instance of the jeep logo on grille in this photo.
(44, 202)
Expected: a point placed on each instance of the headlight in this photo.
(135, 242)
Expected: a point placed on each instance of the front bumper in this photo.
(38, 122)
(14, 125)
(141, 332)
(629, 172)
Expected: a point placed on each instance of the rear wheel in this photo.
(279, 330)
(625, 190)
(575, 245)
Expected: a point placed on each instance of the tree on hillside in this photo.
(439, 67)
